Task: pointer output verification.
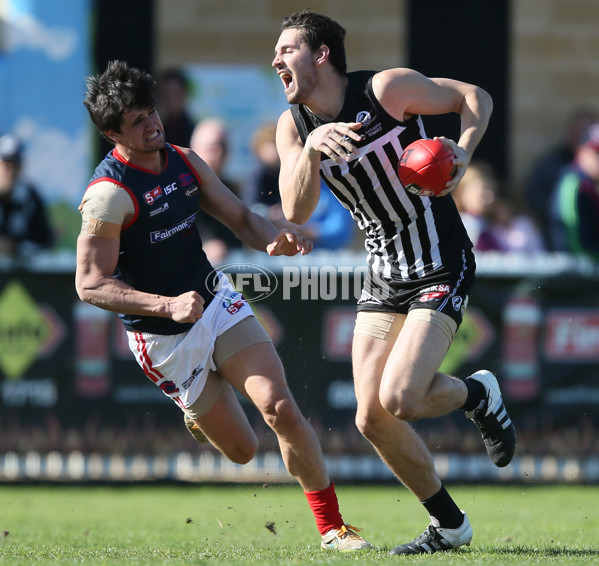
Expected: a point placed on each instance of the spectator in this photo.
(330, 227)
(173, 91)
(547, 169)
(575, 201)
(490, 220)
(210, 140)
(263, 184)
(24, 225)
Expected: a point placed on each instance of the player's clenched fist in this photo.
(187, 307)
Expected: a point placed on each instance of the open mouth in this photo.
(287, 79)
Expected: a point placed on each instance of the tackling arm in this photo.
(251, 228)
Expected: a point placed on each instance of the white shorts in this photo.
(179, 364)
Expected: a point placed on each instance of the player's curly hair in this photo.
(318, 30)
(119, 89)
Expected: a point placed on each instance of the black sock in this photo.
(443, 508)
(476, 394)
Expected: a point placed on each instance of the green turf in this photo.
(228, 525)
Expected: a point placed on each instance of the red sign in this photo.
(338, 332)
(572, 335)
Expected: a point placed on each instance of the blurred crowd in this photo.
(577, 438)
(558, 204)
(554, 210)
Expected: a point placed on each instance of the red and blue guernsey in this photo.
(160, 250)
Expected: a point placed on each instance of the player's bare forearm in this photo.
(261, 234)
(300, 198)
(256, 231)
(299, 178)
(95, 284)
(475, 113)
(300, 189)
(113, 295)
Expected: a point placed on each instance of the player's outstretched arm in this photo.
(252, 229)
(290, 243)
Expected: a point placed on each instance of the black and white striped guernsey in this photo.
(408, 237)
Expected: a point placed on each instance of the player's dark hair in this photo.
(119, 89)
(318, 30)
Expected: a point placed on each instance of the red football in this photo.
(425, 167)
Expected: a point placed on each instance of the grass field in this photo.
(228, 525)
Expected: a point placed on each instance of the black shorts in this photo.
(445, 290)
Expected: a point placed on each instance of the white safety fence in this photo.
(268, 467)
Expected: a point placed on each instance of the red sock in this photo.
(325, 508)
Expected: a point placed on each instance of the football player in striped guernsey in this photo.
(350, 129)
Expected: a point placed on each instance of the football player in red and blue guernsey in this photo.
(139, 254)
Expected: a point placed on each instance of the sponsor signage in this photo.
(572, 335)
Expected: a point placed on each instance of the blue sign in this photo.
(44, 59)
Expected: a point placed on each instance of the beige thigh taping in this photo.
(387, 325)
(439, 319)
(245, 333)
(382, 325)
(209, 395)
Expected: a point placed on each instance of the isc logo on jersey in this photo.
(157, 192)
